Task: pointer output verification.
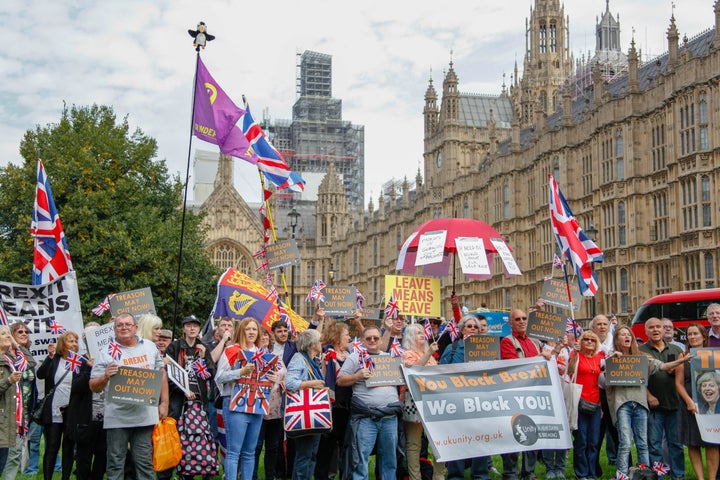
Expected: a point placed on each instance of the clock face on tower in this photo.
(438, 160)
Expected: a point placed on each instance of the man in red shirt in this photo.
(519, 345)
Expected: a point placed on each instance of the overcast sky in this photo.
(137, 56)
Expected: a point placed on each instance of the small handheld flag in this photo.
(21, 363)
(201, 369)
(396, 349)
(55, 327)
(73, 362)
(357, 346)
(427, 329)
(102, 307)
(392, 310)
(114, 350)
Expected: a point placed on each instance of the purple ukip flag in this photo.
(215, 118)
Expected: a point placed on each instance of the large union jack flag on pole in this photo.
(308, 409)
(270, 162)
(573, 241)
(51, 254)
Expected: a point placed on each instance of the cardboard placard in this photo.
(98, 338)
(135, 386)
(628, 370)
(419, 296)
(177, 374)
(134, 302)
(387, 372)
(371, 313)
(554, 293)
(546, 326)
(340, 300)
(282, 254)
(355, 331)
(481, 347)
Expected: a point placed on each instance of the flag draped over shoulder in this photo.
(578, 248)
(51, 257)
(269, 160)
(215, 116)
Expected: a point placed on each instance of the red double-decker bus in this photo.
(683, 308)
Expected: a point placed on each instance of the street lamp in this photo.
(294, 215)
(331, 273)
(592, 233)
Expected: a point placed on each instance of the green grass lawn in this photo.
(608, 471)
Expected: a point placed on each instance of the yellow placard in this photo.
(419, 296)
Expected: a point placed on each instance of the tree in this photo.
(120, 209)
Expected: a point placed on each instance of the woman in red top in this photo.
(586, 365)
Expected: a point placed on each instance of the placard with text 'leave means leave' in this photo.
(418, 296)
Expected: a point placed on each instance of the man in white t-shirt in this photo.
(124, 423)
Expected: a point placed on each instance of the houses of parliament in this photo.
(633, 145)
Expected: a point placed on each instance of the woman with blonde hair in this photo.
(417, 353)
(585, 366)
(10, 393)
(149, 326)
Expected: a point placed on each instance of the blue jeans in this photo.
(241, 431)
(586, 445)
(385, 432)
(632, 422)
(141, 449)
(478, 469)
(305, 456)
(3, 457)
(663, 421)
(555, 461)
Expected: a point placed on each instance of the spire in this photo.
(225, 171)
(633, 67)
(672, 37)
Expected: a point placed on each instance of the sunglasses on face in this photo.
(372, 339)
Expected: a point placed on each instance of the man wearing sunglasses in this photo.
(519, 345)
(373, 412)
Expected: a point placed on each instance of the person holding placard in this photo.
(129, 423)
(417, 353)
(629, 404)
(374, 413)
(190, 409)
(455, 353)
(697, 337)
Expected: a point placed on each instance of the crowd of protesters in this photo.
(88, 437)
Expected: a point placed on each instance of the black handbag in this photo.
(37, 413)
(587, 408)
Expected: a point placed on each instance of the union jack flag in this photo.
(427, 329)
(51, 257)
(73, 362)
(102, 307)
(270, 162)
(222, 438)
(21, 363)
(621, 476)
(260, 253)
(367, 361)
(557, 261)
(272, 294)
(661, 468)
(573, 241)
(114, 350)
(357, 346)
(392, 309)
(452, 330)
(359, 299)
(285, 317)
(251, 394)
(316, 292)
(55, 327)
(308, 409)
(201, 369)
(571, 326)
(396, 349)
(262, 266)
(3, 316)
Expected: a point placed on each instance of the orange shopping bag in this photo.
(166, 445)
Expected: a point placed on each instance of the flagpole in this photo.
(272, 229)
(572, 312)
(184, 210)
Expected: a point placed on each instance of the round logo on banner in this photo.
(524, 429)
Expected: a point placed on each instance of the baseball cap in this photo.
(191, 318)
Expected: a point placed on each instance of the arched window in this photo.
(506, 200)
(622, 231)
(624, 297)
